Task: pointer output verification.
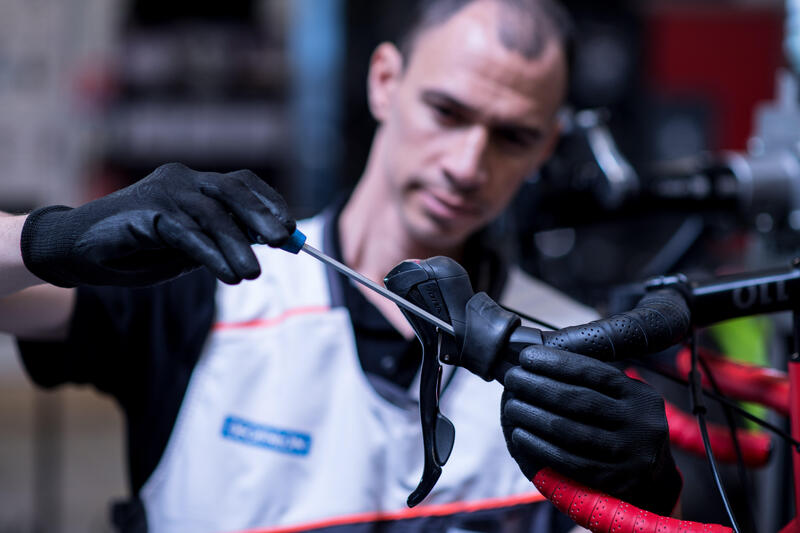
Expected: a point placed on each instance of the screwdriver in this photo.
(297, 242)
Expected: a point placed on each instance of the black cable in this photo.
(699, 410)
(742, 471)
(701, 420)
(529, 318)
(721, 399)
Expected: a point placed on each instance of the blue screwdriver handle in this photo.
(295, 242)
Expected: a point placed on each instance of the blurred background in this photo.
(680, 153)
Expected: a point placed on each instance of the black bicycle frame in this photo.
(739, 295)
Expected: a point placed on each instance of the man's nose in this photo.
(465, 163)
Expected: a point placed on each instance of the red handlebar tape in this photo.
(601, 513)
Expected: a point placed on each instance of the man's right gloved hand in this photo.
(589, 421)
(174, 220)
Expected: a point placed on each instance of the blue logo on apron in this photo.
(279, 440)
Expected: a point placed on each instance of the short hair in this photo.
(526, 26)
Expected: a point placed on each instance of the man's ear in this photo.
(385, 71)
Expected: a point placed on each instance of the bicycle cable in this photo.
(529, 318)
(742, 471)
(699, 410)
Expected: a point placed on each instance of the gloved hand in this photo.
(169, 223)
(588, 421)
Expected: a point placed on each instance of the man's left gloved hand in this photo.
(589, 421)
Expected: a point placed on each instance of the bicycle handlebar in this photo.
(659, 321)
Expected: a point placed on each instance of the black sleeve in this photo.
(137, 345)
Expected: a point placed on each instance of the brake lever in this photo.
(440, 286)
(438, 433)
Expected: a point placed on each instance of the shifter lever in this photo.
(441, 286)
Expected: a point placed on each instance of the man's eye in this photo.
(513, 139)
(446, 114)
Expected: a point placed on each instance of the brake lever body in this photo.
(440, 286)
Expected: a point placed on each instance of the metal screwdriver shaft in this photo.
(352, 274)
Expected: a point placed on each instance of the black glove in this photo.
(169, 223)
(589, 421)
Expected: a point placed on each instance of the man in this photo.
(289, 400)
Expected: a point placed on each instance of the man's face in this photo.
(464, 122)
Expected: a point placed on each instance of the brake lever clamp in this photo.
(442, 287)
